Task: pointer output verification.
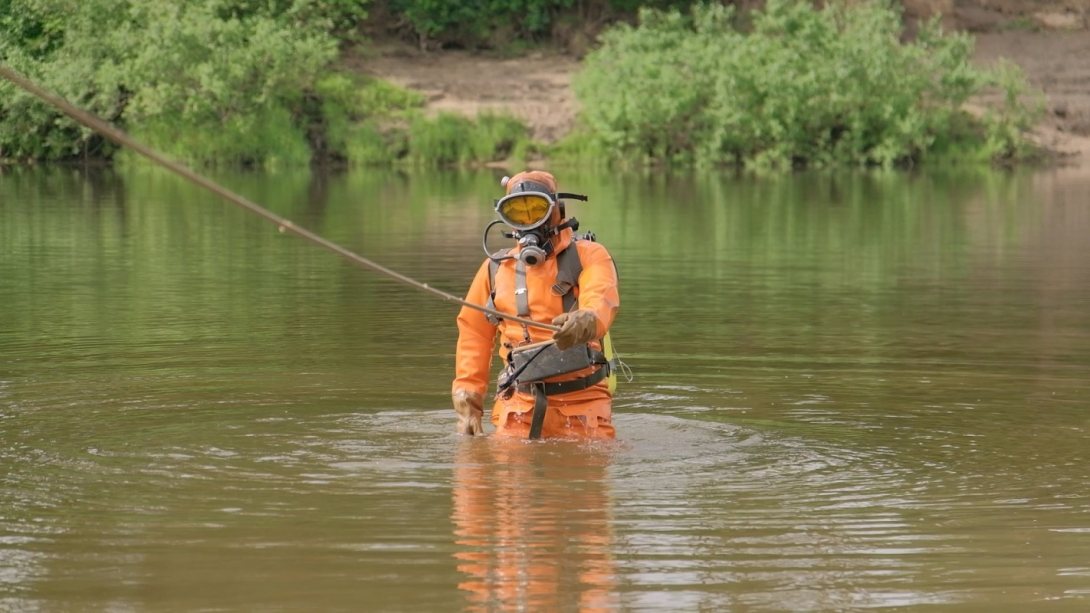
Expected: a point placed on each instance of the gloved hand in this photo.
(578, 327)
(469, 407)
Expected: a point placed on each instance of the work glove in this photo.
(468, 406)
(576, 328)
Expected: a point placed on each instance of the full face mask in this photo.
(528, 210)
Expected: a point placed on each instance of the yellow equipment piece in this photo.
(607, 350)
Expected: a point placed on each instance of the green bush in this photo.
(478, 23)
(262, 136)
(448, 139)
(340, 18)
(369, 121)
(208, 81)
(60, 45)
(229, 81)
(239, 82)
(1008, 124)
(506, 23)
(364, 119)
(797, 86)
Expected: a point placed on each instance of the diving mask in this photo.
(525, 210)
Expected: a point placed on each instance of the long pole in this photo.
(285, 225)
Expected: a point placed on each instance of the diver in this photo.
(553, 384)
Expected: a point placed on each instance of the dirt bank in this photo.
(1058, 63)
(537, 88)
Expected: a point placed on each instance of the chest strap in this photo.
(568, 269)
(522, 298)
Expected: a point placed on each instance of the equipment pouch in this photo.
(541, 364)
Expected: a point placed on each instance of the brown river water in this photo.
(848, 392)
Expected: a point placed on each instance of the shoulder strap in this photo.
(493, 266)
(568, 269)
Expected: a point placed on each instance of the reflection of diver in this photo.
(532, 526)
(561, 390)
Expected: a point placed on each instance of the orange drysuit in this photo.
(584, 413)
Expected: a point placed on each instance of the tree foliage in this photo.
(795, 85)
(208, 80)
(498, 23)
(254, 82)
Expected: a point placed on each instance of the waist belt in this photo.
(566, 387)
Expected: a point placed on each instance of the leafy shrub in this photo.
(490, 23)
(208, 81)
(800, 85)
(1007, 124)
(60, 45)
(364, 122)
(337, 17)
(220, 82)
(262, 136)
(368, 121)
(505, 23)
(450, 139)
(229, 81)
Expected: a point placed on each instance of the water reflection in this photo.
(533, 525)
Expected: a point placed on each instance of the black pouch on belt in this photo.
(541, 364)
(531, 365)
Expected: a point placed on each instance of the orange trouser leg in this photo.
(556, 426)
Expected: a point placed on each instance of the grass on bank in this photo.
(369, 121)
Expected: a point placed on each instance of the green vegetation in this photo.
(452, 139)
(256, 83)
(369, 121)
(794, 86)
(502, 23)
(236, 82)
(353, 119)
(211, 81)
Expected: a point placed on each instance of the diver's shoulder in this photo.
(591, 250)
(590, 246)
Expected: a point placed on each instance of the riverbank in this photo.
(536, 88)
(1056, 62)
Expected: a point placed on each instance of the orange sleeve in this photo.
(476, 339)
(598, 284)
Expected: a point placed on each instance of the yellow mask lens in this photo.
(525, 210)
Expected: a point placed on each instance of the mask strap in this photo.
(572, 223)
